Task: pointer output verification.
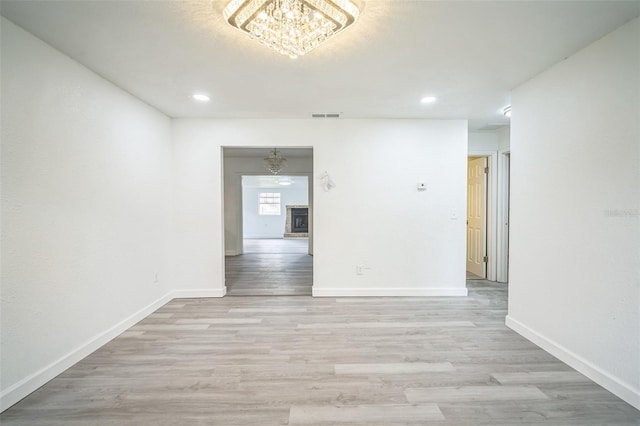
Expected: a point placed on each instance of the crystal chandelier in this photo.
(292, 27)
(275, 162)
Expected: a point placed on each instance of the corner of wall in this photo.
(623, 390)
(24, 387)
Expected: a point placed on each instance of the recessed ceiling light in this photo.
(428, 99)
(507, 111)
(201, 97)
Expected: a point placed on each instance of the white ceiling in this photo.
(469, 54)
(273, 182)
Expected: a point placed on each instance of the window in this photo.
(269, 203)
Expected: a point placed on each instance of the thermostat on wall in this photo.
(422, 186)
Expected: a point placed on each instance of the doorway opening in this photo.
(487, 254)
(268, 223)
(477, 176)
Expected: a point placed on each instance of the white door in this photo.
(477, 216)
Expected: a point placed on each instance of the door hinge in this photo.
(486, 259)
(486, 170)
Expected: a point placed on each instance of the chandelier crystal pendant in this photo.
(291, 27)
(275, 162)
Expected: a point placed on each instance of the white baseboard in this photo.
(32, 382)
(386, 292)
(29, 384)
(230, 253)
(612, 384)
(194, 294)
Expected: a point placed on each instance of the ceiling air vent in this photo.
(326, 115)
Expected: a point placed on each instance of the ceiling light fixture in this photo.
(291, 27)
(201, 97)
(507, 111)
(428, 99)
(275, 162)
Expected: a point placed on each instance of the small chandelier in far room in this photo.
(291, 27)
(275, 162)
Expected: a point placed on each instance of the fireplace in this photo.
(297, 222)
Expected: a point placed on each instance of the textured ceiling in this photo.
(468, 54)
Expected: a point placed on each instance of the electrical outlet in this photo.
(359, 269)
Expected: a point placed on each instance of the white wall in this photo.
(85, 178)
(483, 141)
(269, 226)
(406, 237)
(497, 140)
(504, 138)
(376, 217)
(575, 251)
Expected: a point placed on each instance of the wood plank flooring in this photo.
(270, 267)
(323, 361)
(472, 276)
(276, 245)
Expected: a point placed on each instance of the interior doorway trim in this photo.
(492, 208)
(503, 216)
(238, 202)
(240, 208)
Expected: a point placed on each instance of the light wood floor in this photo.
(270, 267)
(323, 361)
(276, 245)
(472, 276)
